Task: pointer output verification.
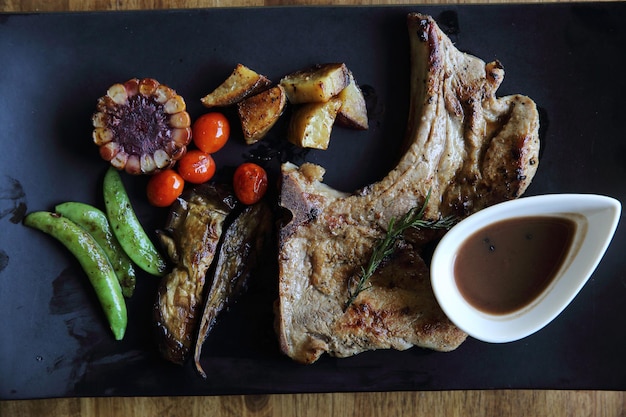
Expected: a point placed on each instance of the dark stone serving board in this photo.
(54, 341)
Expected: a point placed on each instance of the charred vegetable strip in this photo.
(240, 249)
(93, 261)
(95, 222)
(126, 226)
(191, 237)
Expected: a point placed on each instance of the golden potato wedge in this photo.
(311, 124)
(241, 83)
(259, 113)
(317, 84)
(353, 111)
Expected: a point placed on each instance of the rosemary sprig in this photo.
(385, 246)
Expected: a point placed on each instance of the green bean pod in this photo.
(127, 228)
(95, 222)
(92, 259)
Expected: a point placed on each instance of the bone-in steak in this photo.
(469, 148)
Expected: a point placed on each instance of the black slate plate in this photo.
(53, 67)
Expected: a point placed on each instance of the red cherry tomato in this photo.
(196, 166)
(164, 188)
(249, 182)
(210, 132)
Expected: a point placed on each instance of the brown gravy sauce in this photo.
(505, 266)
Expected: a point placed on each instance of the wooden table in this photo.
(536, 403)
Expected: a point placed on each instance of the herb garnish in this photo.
(385, 246)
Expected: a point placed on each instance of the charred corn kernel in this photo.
(136, 120)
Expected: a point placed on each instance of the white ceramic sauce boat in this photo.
(596, 217)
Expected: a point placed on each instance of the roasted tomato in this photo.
(164, 188)
(210, 132)
(249, 182)
(196, 167)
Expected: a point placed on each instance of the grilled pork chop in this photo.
(469, 148)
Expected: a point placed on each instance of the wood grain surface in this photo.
(536, 403)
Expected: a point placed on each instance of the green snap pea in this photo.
(92, 259)
(95, 222)
(127, 228)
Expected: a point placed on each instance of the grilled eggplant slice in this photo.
(243, 82)
(191, 237)
(243, 242)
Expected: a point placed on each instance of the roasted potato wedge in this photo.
(259, 113)
(243, 82)
(317, 84)
(353, 111)
(311, 124)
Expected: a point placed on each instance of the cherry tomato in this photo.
(210, 132)
(196, 166)
(249, 182)
(164, 188)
